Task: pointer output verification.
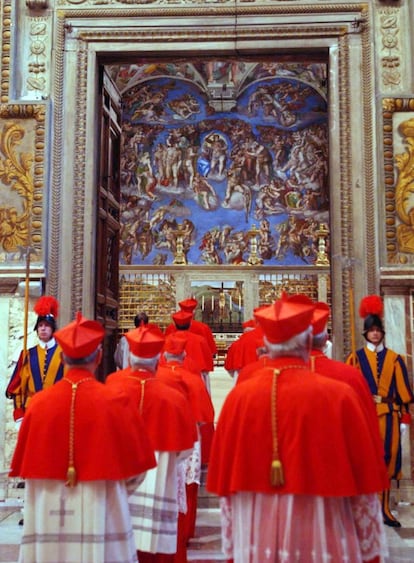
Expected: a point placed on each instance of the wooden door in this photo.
(108, 227)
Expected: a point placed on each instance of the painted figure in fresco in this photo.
(159, 215)
(299, 239)
(144, 174)
(128, 167)
(280, 151)
(306, 166)
(166, 236)
(222, 236)
(282, 109)
(184, 107)
(295, 156)
(270, 199)
(283, 243)
(187, 234)
(149, 105)
(204, 193)
(209, 254)
(172, 165)
(128, 172)
(236, 191)
(261, 161)
(261, 99)
(310, 199)
(160, 259)
(127, 246)
(159, 157)
(137, 141)
(294, 235)
(215, 148)
(266, 241)
(235, 247)
(310, 237)
(293, 196)
(223, 71)
(190, 165)
(144, 240)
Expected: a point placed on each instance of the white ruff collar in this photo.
(49, 344)
(374, 348)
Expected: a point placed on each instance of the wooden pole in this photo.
(27, 286)
(26, 300)
(352, 318)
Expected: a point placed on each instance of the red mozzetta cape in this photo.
(167, 417)
(325, 442)
(200, 328)
(252, 369)
(244, 350)
(110, 442)
(339, 371)
(197, 350)
(193, 387)
(188, 364)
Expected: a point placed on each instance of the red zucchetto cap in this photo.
(182, 318)
(174, 344)
(80, 338)
(285, 318)
(188, 304)
(320, 317)
(145, 342)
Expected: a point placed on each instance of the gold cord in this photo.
(142, 381)
(141, 402)
(312, 363)
(276, 471)
(71, 473)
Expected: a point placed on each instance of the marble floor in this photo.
(206, 545)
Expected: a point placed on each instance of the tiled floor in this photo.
(206, 546)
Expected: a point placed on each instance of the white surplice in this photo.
(257, 528)
(87, 523)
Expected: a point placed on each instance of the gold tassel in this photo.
(276, 475)
(71, 476)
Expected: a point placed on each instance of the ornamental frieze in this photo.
(87, 3)
(390, 48)
(38, 56)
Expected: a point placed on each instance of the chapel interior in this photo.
(155, 150)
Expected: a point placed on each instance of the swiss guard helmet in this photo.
(371, 309)
(47, 308)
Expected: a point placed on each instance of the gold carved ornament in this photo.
(15, 171)
(404, 189)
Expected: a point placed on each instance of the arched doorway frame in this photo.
(87, 39)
